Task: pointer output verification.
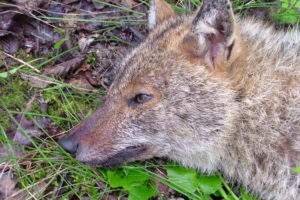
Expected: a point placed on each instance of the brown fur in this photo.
(225, 97)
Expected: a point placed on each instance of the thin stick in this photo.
(21, 61)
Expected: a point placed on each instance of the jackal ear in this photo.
(212, 32)
(159, 12)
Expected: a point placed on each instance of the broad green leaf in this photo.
(142, 192)
(115, 178)
(134, 175)
(209, 184)
(127, 178)
(133, 178)
(296, 170)
(289, 11)
(290, 3)
(183, 178)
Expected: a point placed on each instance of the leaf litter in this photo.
(45, 29)
(21, 135)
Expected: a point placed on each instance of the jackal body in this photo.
(209, 91)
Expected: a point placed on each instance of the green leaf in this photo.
(134, 175)
(289, 11)
(58, 44)
(115, 178)
(142, 192)
(290, 3)
(296, 170)
(209, 184)
(183, 178)
(127, 178)
(245, 195)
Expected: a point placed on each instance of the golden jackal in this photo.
(210, 91)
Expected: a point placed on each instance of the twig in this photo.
(21, 61)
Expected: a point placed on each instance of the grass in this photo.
(48, 172)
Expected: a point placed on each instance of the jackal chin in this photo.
(124, 156)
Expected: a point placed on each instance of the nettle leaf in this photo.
(246, 196)
(296, 170)
(136, 181)
(127, 178)
(115, 178)
(134, 177)
(288, 3)
(142, 192)
(209, 184)
(289, 11)
(183, 178)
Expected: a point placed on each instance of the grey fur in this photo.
(241, 118)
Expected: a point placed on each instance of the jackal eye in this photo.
(140, 99)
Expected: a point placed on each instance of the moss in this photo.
(15, 93)
(66, 103)
(71, 105)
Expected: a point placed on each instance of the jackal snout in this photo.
(103, 140)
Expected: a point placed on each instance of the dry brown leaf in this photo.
(84, 68)
(85, 41)
(36, 81)
(62, 69)
(69, 1)
(6, 18)
(36, 190)
(29, 4)
(128, 3)
(29, 126)
(10, 43)
(7, 185)
(25, 126)
(81, 83)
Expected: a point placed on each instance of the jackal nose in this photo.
(69, 145)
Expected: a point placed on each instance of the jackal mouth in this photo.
(123, 156)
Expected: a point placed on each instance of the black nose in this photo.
(70, 146)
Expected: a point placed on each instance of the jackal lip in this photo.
(119, 158)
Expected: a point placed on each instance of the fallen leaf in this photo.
(31, 130)
(128, 3)
(25, 130)
(36, 81)
(10, 43)
(81, 84)
(6, 18)
(7, 185)
(69, 1)
(29, 4)
(84, 68)
(93, 80)
(35, 192)
(28, 126)
(62, 69)
(86, 41)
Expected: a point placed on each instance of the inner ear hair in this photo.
(214, 29)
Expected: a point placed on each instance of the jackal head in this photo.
(173, 95)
